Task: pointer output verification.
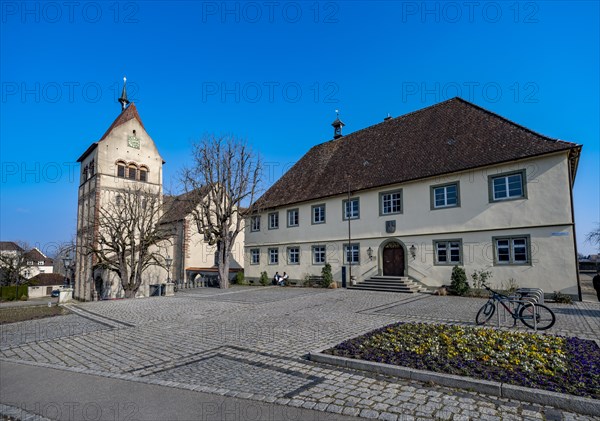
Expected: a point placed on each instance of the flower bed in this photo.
(555, 363)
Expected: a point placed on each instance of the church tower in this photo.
(124, 157)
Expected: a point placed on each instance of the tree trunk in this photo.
(223, 259)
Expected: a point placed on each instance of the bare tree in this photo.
(593, 237)
(226, 174)
(13, 263)
(128, 239)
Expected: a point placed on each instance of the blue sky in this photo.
(274, 73)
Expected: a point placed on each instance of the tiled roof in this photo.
(9, 246)
(129, 113)
(126, 115)
(37, 256)
(47, 279)
(176, 208)
(448, 137)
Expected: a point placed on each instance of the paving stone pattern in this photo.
(252, 342)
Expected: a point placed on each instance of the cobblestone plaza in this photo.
(252, 343)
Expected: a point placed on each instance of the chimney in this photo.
(389, 117)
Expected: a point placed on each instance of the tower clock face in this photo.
(133, 142)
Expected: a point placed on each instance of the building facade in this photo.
(452, 184)
(193, 257)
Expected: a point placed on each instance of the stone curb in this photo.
(578, 404)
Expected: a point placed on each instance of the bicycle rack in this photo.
(514, 306)
(536, 293)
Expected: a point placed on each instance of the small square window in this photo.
(273, 256)
(390, 202)
(446, 196)
(352, 254)
(255, 223)
(351, 209)
(293, 218)
(448, 252)
(512, 250)
(132, 173)
(254, 256)
(318, 214)
(293, 255)
(319, 253)
(507, 186)
(274, 220)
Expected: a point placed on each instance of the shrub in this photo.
(459, 284)
(24, 297)
(480, 277)
(441, 291)
(510, 286)
(264, 279)
(239, 278)
(561, 298)
(327, 276)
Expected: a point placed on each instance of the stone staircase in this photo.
(388, 284)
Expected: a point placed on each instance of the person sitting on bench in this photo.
(283, 279)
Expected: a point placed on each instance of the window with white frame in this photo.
(254, 256)
(507, 186)
(255, 223)
(351, 209)
(40, 263)
(352, 254)
(274, 220)
(448, 252)
(292, 217)
(318, 214)
(318, 255)
(390, 202)
(512, 250)
(273, 256)
(293, 255)
(445, 196)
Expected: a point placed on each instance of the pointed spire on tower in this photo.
(123, 100)
(337, 126)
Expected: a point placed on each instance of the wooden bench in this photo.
(314, 281)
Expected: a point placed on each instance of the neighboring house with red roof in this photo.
(411, 197)
(15, 259)
(193, 257)
(43, 284)
(37, 262)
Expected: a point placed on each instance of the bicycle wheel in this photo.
(485, 313)
(544, 317)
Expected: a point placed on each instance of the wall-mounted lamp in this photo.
(370, 253)
(413, 251)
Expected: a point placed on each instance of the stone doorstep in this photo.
(578, 404)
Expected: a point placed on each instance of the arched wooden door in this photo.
(393, 259)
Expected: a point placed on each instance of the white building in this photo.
(451, 184)
(193, 257)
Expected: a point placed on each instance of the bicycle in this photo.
(532, 315)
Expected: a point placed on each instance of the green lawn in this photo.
(20, 314)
